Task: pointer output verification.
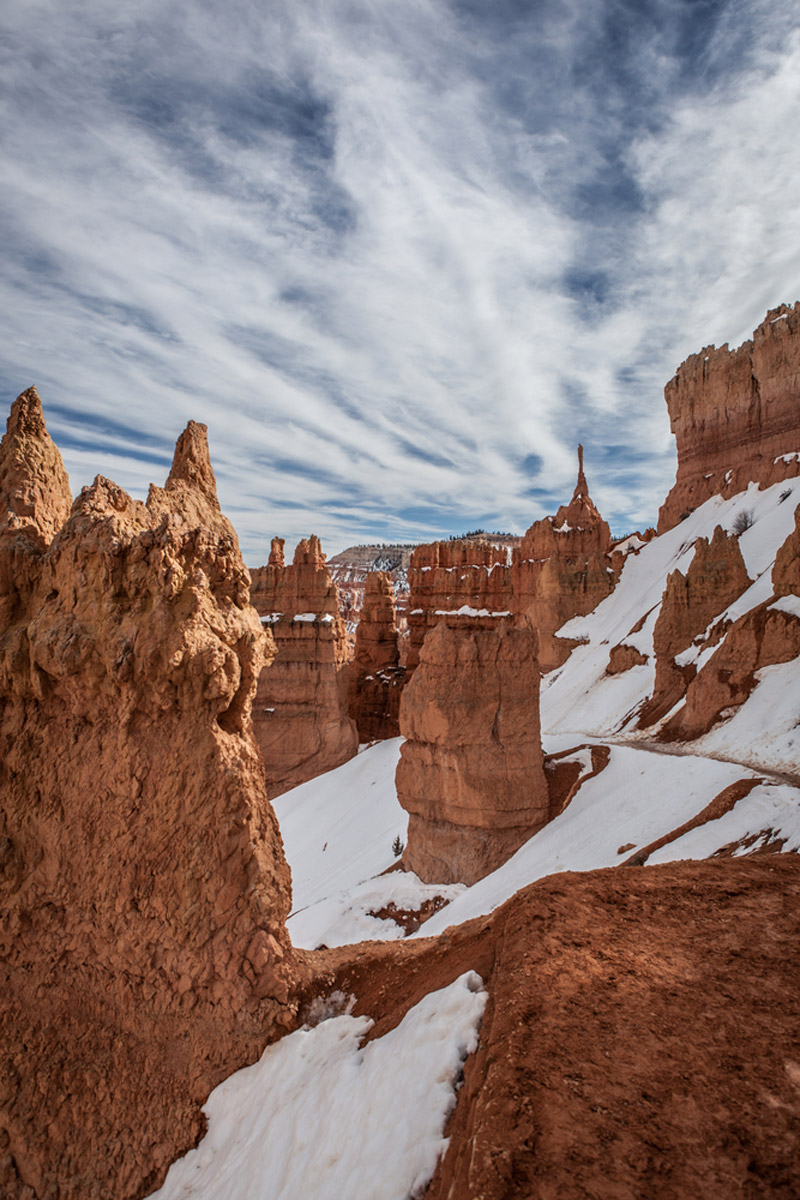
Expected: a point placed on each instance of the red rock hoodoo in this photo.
(471, 771)
(446, 577)
(716, 577)
(144, 888)
(300, 711)
(563, 569)
(376, 677)
(736, 416)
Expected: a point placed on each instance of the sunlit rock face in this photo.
(716, 577)
(300, 711)
(144, 887)
(471, 770)
(765, 636)
(736, 416)
(563, 569)
(376, 677)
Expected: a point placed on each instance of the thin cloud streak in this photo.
(399, 259)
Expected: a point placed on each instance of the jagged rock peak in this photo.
(34, 485)
(581, 488)
(192, 462)
(309, 552)
(276, 555)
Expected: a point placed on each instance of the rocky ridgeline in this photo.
(735, 416)
(144, 888)
(300, 710)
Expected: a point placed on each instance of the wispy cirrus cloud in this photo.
(399, 258)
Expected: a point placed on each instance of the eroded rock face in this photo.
(470, 774)
(716, 577)
(300, 711)
(563, 569)
(376, 677)
(763, 637)
(34, 486)
(144, 888)
(445, 577)
(736, 416)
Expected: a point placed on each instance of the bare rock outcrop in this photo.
(34, 485)
(765, 636)
(563, 569)
(447, 578)
(736, 416)
(470, 773)
(716, 577)
(144, 889)
(376, 677)
(300, 711)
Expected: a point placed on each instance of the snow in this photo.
(787, 458)
(322, 1118)
(324, 619)
(769, 810)
(467, 611)
(787, 604)
(338, 829)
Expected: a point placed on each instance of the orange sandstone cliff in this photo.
(300, 711)
(142, 879)
(736, 415)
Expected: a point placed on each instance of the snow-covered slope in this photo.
(320, 1116)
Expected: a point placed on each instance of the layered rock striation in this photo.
(736, 416)
(144, 889)
(300, 711)
(471, 770)
(376, 677)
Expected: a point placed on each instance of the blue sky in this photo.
(398, 255)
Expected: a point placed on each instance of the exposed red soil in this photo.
(642, 1037)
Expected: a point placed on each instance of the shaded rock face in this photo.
(447, 576)
(563, 569)
(716, 577)
(763, 637)
(300, 711)
(470, 773)
(376, 677)
(142, 879)
(736, 416)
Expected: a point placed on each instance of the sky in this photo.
(400, 256)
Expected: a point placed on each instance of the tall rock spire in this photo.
(34, 485)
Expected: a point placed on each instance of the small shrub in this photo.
(743, 520)
(784, 495)
(398, 846)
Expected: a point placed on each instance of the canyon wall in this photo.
(300, 711)
(144, 888)
(736, 415)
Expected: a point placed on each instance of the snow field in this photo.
(323, 1118)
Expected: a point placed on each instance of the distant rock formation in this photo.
(143, 887)
(736, 416)
(716, 577)
(766, 635)
(563, 569)
(376, 677)
(448, 577)
(300, 711)
(470, 773)
(349, 571)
